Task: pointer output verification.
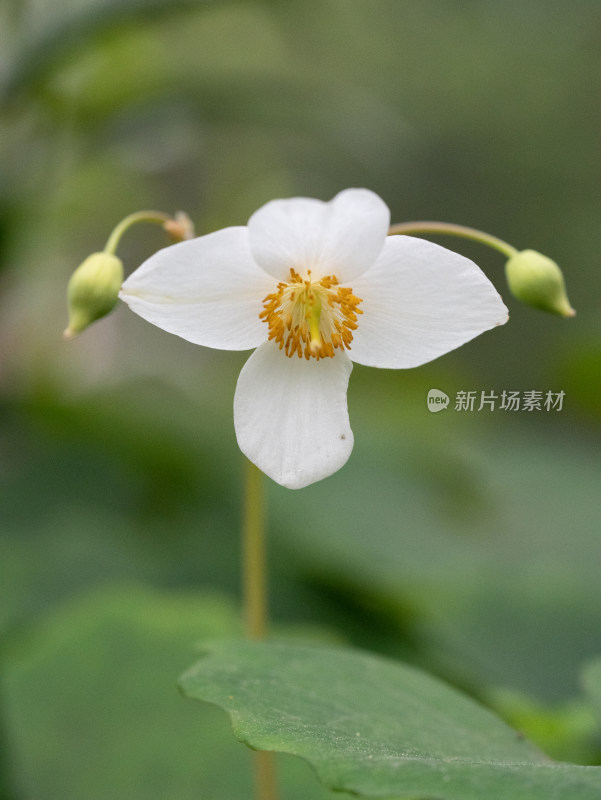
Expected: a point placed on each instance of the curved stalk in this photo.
(450, 229)
(158, 217)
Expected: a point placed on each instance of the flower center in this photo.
(311, 318)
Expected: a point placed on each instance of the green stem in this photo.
(255, 602)
(253, 555)
(449, 229)
(158, 217)
(265, 777)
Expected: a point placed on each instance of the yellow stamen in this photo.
(311, 318)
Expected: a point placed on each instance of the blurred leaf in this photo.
(375, 728)
(92, 709)
(73, 28)
(580, 371)
(111, 488)
(592, 684)
(568, 732)
(508, 594)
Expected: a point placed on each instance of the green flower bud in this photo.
(538, 282)
(93, 291)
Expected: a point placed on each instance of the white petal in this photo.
(343, 237)
(291, 416)
(420, 301)
(207, 290)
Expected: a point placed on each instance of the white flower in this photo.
(313, 286)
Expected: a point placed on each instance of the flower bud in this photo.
(180, 227)
(93, 291)
(538, 282)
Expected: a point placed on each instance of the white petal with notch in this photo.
(291, 415)
(343, 237)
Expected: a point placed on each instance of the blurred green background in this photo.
(468, 543)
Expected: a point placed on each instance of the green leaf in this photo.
(377, 728)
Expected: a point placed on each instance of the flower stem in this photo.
(265, 777)
(255, 602)
(158, 217)
(449, 229)
(253, 555)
